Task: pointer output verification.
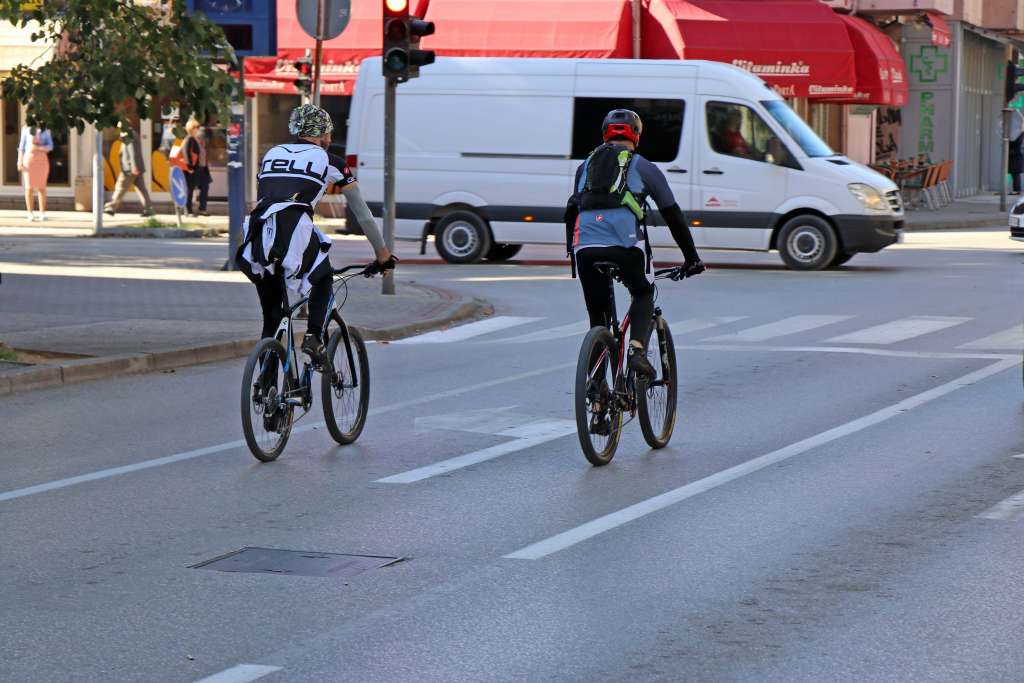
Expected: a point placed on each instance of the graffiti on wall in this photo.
(887, 133)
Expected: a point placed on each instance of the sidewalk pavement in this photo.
(190, 322)
(980, 211)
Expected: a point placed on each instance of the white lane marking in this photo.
(560, 332)
(899, 330)
(479, 421)
(467, 331)
(1007, 340)
(525, 436)
(1019, 456)
(682, 327)
(243, 673)
(779, 328)
(569, 538)
(857, 350)
(220, 448)
(1011, 508)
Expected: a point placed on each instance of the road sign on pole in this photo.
(322, 20)
(336, 14)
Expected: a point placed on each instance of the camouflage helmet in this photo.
(309, 121)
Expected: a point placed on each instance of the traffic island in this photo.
(67, 354)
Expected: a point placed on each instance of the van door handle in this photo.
(713, 171)
(676, 169)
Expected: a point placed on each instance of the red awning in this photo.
(799, 47)
(881, 71)
(530, 28)
(940, 29)
(341, 56)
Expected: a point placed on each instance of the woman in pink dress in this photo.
(34, 164)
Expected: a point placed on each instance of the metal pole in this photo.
(236, 167)
(319, 51)
(390, 86)
(97, 183)
(636, 28)
(1005, 159)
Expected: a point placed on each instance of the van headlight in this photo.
(871, 198)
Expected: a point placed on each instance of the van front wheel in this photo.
(807, 243)
(462, 237)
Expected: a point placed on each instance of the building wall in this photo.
(1003, 15)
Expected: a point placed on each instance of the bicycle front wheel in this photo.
(266, 414)
(598, 417)
(345, 387)
(656, 400)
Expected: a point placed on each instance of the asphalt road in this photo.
(837, 502)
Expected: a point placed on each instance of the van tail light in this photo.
(351, 160)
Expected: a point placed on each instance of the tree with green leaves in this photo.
(110, 58)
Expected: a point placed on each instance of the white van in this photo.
(487, 149)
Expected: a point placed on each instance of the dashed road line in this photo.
(899, 330)
(243, 673)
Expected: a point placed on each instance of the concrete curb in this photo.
(162, 233)
(994, 221)
(105, 367)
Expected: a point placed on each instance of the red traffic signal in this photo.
(396, 8)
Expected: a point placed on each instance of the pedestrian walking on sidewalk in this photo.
(1015, 164)
(34, 164)
(133, 170)
(197, 175)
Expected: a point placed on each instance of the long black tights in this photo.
(632, 264)
(271, 292)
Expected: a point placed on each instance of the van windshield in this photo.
(809, 142)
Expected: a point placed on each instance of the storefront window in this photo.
(272, 116)
(809, 142)
(662, 119)
(337, 106)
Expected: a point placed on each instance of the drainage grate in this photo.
(295, 562)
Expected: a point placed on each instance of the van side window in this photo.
(663, 125)
(736, 130)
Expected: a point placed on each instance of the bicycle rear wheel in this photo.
(656, 400)
(345, 390)
(266, 416)
(598, 418)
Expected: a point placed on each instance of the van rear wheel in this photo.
(503, 252)
(462, 237)
(807, 243)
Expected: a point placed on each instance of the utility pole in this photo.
(319, 51)
(390, 90)
(97, 183)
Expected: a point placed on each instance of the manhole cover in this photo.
(295, 562)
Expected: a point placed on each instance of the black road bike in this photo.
(607, 389)
(274, 385)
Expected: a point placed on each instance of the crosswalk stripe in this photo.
(899, 330)
(779, 328)
(467, 331)
(560, 332)
(697, 324)
(1010, 340)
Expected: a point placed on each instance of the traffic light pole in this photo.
(1005, 164)
(390, 88)
(318, 52)
(236, 168)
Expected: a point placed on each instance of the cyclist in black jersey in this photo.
(280, 240)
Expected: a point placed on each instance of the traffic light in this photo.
(417, 57)
(304, 69)
(401, 54)
(1014, 72)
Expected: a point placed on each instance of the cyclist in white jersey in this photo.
(279, 238)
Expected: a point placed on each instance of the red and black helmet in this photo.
(622, 124)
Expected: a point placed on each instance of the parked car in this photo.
(1017, 220)
(487, 149)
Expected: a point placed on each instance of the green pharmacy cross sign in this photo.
(929, 64)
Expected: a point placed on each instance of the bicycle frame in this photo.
(284, 329)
